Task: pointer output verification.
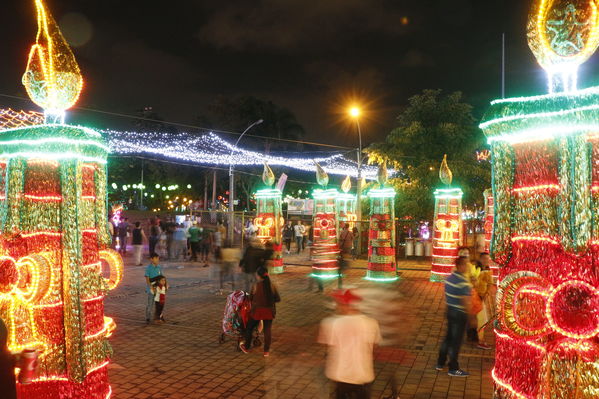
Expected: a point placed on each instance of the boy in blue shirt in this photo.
(153, 270)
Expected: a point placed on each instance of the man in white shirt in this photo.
(299, 230)
(351, 338)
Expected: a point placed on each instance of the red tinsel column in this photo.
(447, 232)
(546, 229)
(324, 248)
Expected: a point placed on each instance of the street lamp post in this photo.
(354, 112)
(232, 184)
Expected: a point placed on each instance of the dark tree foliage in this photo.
(432, 125)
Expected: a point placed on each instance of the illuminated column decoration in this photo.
(546, 234)
(325, 248)
(346, 206)
(489, 217)
(269, 221)
(447, 232)
(54, 237)
(381, 236)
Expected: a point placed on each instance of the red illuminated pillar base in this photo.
(324, 269)
(443, 263)
(277, 261)
(95, 386)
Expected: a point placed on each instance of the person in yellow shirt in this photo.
(485, 290)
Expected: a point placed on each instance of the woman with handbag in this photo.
(264, 296)
(484, 288)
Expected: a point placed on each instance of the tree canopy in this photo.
(432, 125)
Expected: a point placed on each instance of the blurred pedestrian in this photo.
(346, 240)
(485, 290)
(137, 241)
(299, 231)
(204, 245)
(229, 258)
(8, 362)
(457, 298)
(110, 227)
(288, 235)
(170, 231)
(123, 229)
(308, 236)
(179, 243)
(194, 240)
(351, 338)
(253, 258)
(264, 296)
(154, 236)
(356, 235)
(153, 270)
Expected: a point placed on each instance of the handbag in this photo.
(477, 304)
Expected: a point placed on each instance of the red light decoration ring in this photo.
(572, 309)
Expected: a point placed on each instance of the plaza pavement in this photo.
(183, 358)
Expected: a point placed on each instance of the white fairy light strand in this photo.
(210, 149)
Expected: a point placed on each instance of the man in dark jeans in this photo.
(457, 297)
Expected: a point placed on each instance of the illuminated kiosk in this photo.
(381, 236)
(546, 229)
(345, 205)
(268, 221)
(447, 226)
(53, 234)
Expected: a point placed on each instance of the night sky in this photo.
(309, 56)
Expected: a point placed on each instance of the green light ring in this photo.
(53, 156)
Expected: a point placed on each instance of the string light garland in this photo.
(545, 159)
(210, 149)
(10, 119)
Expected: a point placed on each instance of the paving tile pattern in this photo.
(184, 359)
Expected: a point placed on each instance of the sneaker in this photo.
(439, 367)
(484, 346)
(266, 354)
(243, 348)
(458, 373)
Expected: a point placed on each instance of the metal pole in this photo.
(141, 196)
(359, 190)
(232, 183)
(503, 65)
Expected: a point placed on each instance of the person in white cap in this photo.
(351, 337)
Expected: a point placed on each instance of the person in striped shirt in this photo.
(457, 298)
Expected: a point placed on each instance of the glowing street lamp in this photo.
(354, 113)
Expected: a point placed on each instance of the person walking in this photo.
(123, 233)
(229, 258)
(485, 290)
(153, 271)
(264, 297)
(179, 242)
(299, 231)
(346, 240)
(137, 241)
(253, 258)
(356, 235)
(457, 298)
(194, 240)
(350, 337)
(154, 236)
(170, 230)
(288, 235)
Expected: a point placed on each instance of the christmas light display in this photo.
(325, 250)
(269, 217)
(54, 237)
(10, 119)
(381, 235)
(488, 227)
(546, 227)
(562, 35)
(447, 226)
(345, 206)
(52, 78)
(210, 149)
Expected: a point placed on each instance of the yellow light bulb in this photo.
(354, 112)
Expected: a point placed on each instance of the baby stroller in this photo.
(235, 318)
